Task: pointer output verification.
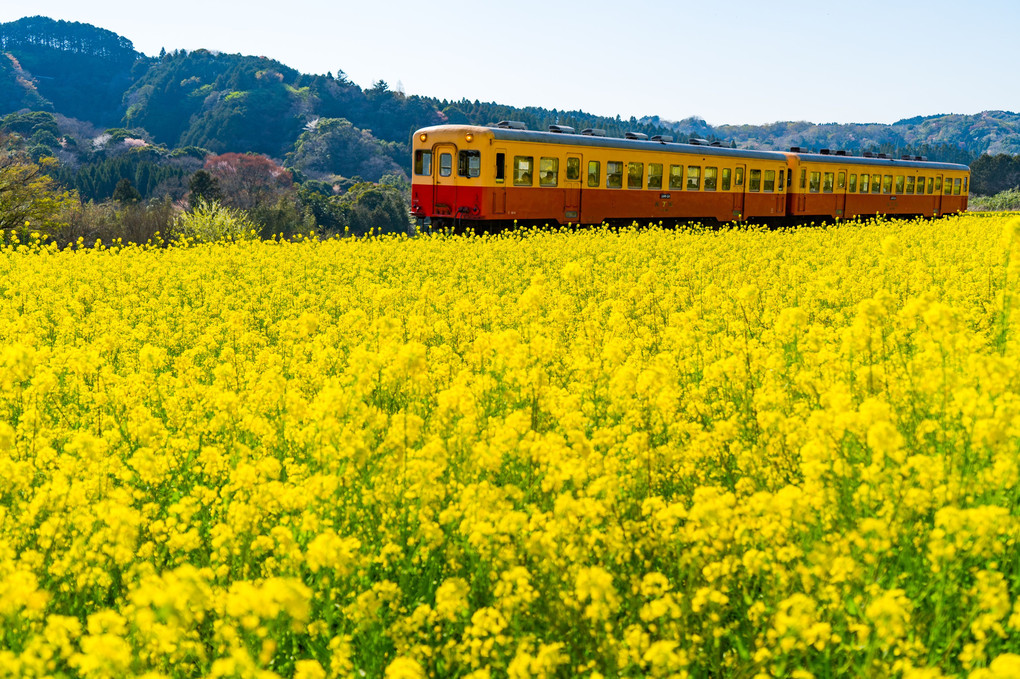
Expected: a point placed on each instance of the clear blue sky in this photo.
(728, 62)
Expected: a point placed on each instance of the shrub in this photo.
(211, 222)
(1003, 201)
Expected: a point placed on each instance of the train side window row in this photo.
(678, 180)
(817, 182)
(696, 178)
(469, 165)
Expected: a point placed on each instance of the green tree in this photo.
(334, 146)
(29, 198)
(125, 193)
(991, 175)
(203, 187)
(376, 208)
(328, 210)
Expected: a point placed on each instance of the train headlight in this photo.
(469, 137)
(422, 137)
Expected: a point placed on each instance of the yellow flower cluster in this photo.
(632, 452)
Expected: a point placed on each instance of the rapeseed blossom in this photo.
(595, 453)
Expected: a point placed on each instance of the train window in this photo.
(594, 170)
(876, 183)
(548, 171)
(676, 177)
(635, 175)
(614, 174)
(852, 185)
(423, 162)
(841, 181)
(956, 186)
(803, 179)
(948, 187)
(789, 177)
(899, 184)
(865, 182)
(500, 167)
(816, 182)
(909, 188)
(711, 178)
(781, 175)
(887, 183)
(522, 170)
(445, 164)
(738, 177)
(938, 185)
(693, 177)
(726, 175)
(754, 181)
(654, 175)
(469, 163)
(573, 169)
(965, 184)
(769, 183)
(931, 185)
(827, 182)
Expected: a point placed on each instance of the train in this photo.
(481, 176)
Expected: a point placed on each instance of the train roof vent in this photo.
(796, 149)
(883, 155)
(697, 142)
(907, 158)
(561, 129)
(842, 153)
(636, 135)
(593, 132)
(511, 125)
(922, 157)
(868, 154)
(717, 144)
(825, 152)
(664, 138)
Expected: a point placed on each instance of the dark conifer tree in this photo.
(203, 187)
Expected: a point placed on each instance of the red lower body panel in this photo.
(871, 204)
(589, 205)
(594, 205)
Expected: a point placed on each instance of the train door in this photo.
(781, 188)
(444, 182)
(572, 188)
(801, 191)
(841, 175)
(938, 194)
(738, 191)
(499, 193)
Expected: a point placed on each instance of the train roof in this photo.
(883, 162)
(610, 142)
(636, 144)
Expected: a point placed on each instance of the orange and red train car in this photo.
(476, 175)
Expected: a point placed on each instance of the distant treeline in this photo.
(990, 175)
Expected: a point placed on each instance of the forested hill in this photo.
(106, 98)
(74, 69)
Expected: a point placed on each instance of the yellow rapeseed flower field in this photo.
(594, 453)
